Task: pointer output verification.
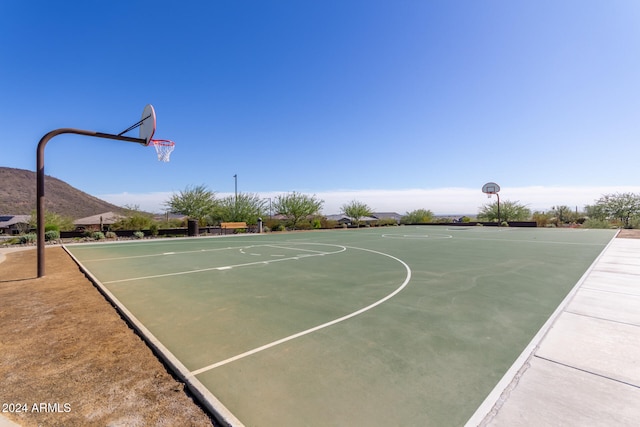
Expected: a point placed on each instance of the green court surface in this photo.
(381, 326)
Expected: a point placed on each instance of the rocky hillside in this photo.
(18, 196)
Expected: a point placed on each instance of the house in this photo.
(14, 224)
(344, 219)
(98, 222)
(388, 215)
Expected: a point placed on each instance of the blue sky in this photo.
(401, 104)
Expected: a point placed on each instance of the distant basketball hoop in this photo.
(491, 188)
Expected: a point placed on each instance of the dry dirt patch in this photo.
(68, 359)
(629, 234)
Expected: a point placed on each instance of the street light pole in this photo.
(235, 177)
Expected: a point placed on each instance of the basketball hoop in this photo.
(164, 148)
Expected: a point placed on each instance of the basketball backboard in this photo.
(148, 123)
(490, 188)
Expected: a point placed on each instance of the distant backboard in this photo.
(490, 188)
(148, 123)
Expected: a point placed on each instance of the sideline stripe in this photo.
(317, 328)
(224, 267)
(162, 253)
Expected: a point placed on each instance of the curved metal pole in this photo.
(40, 180)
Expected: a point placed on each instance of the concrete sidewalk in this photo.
(584, 368)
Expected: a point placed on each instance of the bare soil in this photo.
(629, 234)
(68, 359)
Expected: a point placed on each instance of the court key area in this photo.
(408, 325)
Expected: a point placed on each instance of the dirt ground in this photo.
(629, 234)
(68, 359)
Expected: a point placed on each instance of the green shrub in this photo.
(97, 235)
(138, 234)
(596, 223)
(28, 238)
(504, 224)
(51, 235)
(110, 235)
(634, 223)
(316, 223)
(51, 227)
(153, 229)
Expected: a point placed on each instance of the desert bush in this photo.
(596, 223)
(97, 235)
(138, 234)
(110, 235)
(28, 238)
(304, 224)
(51, 235)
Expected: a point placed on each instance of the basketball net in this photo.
(164, 148)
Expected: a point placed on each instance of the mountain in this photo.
(18, 196)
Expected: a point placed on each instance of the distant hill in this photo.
(18, 196)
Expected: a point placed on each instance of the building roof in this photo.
(8, 220)
(106, 218)
(382, 215)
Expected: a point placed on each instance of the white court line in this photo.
(317, 328)
(300, 249)
(162, 253)
(227, 267)
(530, 241)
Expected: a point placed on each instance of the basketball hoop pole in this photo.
(40, 179)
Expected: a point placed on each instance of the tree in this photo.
(296, 206)
(620, 206)
(248, 207)
(356, 210)
(135, 219)
(196, 202)
(417, 217)
(595, 212)
(563, 214)
(509, 211)
(52, 221)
